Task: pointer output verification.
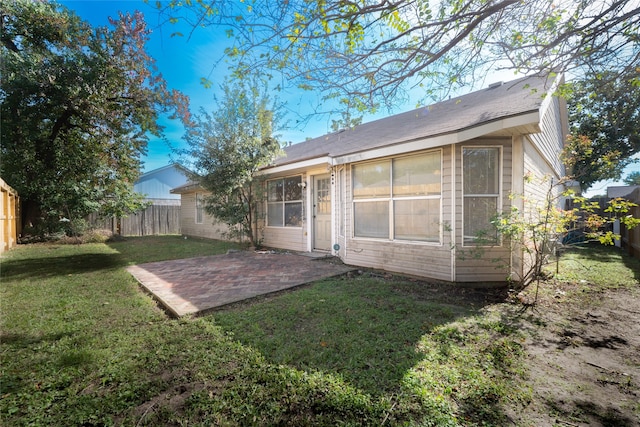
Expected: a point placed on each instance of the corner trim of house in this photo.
(452, 226)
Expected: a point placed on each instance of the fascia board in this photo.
(295, 166)
(528, 119)
(391, 150)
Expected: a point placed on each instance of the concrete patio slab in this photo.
(194, 285)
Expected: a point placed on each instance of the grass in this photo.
(148, 249)
(590, 269)
(82, 345)
(595, 266)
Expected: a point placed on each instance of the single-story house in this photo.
(412, 193)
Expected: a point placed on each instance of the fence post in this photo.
(9, 211)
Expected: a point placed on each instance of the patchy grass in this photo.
(598, 267)
(82, 345)
(394, 340)
(583, 271)
(582, 341)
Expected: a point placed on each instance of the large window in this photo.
(199, 208)
(398, 199)
(481, 187)
(284, 202)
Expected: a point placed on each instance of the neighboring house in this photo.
(157, 184)
(162, 216)
(623, 191)
(411, 193)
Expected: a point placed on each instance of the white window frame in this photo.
(285, 202)
(497, 196)
(392, 199)
(199, 204)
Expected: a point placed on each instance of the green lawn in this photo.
(83, 345)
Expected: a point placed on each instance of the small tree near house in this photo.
(226, 149)
(540, 228)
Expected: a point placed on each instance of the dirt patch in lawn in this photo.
(584, 359)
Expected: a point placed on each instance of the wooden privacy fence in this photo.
(631, 238)
(9, 216)
(154, 220)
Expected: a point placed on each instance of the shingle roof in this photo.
(186, 188)
(621, 191)
(497, 102)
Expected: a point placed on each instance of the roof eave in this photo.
(185, 188)
(527, 122)
(297, 165)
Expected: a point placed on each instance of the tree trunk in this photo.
(31, 213)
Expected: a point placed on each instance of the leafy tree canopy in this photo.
(226, 149)
(367, 53)
(633, 178)
(604, 113)
(77, 106)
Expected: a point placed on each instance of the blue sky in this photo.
(184, 61)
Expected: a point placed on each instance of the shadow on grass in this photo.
(26, 340)
(60, 260)
(365, 330)
(11, 381)
(139, 250)
(41, 268)
(633, 264)
(604, 253)
(591, 414)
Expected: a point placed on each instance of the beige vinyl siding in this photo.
(489, 263)
(491, 266)
(291, 238)
(431, 260)
(210, 228)
(536, 187)
(406, 258)
(541, 173)
(550, 140)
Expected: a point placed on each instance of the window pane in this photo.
(199, 208)
(417, 175)
(478, 212)
(481, 168)
(371, 219)
(274, 214)
(417, 220)
(293, 214)
(292, 188)
(371, 180)
(274, 190)
(323, 196)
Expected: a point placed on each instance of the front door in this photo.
(322, 212)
